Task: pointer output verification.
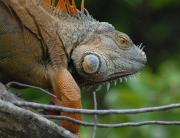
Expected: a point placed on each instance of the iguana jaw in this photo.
(114, 78)
(115, 62)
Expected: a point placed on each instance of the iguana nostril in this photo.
(91, 64)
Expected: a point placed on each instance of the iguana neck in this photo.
(75, 29)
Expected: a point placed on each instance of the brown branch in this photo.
(12, 113)
(18, 122)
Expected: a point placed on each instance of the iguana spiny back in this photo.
(45, 46)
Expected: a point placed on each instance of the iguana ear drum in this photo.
(91, 63)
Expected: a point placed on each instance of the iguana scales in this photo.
(61, 48)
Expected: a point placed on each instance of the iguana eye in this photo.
(123, 40)
(91, 63)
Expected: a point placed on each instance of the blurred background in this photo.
(155, 24)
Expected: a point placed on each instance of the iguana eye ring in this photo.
(90, 63)
(123, 40)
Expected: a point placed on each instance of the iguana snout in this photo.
(108, 56)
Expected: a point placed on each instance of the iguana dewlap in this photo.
(61, 49)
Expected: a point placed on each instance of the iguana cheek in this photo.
(91, 64)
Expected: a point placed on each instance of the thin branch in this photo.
(98, 112)
(95, 116)
(9, 84)
(127, 124)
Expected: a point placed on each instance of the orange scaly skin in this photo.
(68, 95)
(62, 4)
(67, 91)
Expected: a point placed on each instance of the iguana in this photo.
(62, 49)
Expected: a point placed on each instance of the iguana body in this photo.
(58, 49)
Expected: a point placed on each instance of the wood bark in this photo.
(16, 122)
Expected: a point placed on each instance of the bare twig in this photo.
(98, 112)
(9, 84)
(95, 116)
(19, 122)
(127, 124)
(91, 112)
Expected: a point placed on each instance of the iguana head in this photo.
(99, 53)
(107, 55)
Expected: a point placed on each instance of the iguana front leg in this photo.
(68, 95)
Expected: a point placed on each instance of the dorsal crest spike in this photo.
(75, 11)
(61, 6)
(66, 6)
(82, 6)
(69, 7)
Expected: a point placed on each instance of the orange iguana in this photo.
(61, 49)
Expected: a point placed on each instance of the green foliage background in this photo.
(156, 24)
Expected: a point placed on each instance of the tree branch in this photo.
(127, 124)
(95, 116)
(21, 123)
(98, 112)
(28, 121)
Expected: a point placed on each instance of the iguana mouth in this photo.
(112, 79)
(97, 86)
